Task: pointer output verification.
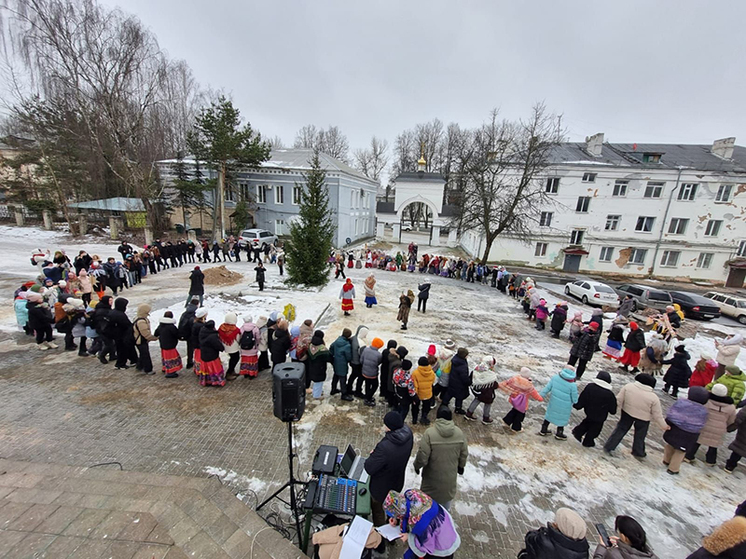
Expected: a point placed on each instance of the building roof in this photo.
(420, 176)
(118, 204)
(673, 156)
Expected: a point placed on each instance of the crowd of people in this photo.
(443, 378)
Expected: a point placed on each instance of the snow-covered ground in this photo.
(543, 473)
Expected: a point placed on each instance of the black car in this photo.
(696, 306)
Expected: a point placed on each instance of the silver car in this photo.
(257, 238)
(645, 296)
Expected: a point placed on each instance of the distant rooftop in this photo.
(420, 176)
(118, 204)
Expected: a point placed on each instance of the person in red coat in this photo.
(704, 371)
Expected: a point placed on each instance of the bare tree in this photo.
(330, 141)
(499, 179)
(373, 160)
(275, 143)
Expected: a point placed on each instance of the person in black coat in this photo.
(280, 343)
(562, 539)
(634, 344)
(387, 464)
(583, 348)
(423, 296)
(186, 321)
(168, 338)
(40, 320)
(318, 360)
(458, 381)
(385, 373)
(209, 342)
(678, 373)
(598, 401)
(260, 275)
(559, 316)
(120, 330)
(196, 286)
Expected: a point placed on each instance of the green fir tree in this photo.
(311, 235)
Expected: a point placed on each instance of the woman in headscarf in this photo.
(347, 294)
(565, 538)
(370, 291)
(426, 527)
(405, 304)
(249, 344)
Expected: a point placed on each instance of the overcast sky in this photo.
(640, 71)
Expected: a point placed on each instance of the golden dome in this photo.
(421, 160)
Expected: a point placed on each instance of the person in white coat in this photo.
(728, 350)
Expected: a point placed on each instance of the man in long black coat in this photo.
(598, 401)
(196, 286)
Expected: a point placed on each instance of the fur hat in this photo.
(377, 343)
(720, 390)
(201, 313)
(231, 318)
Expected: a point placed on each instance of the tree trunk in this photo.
(487, 248)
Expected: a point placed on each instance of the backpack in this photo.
(519, 401)
(247, 340)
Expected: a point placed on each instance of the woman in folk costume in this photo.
(347, 294)
(613, 349)
(211, 372)
(249, 344)
(405, 304)
(168, 337)
(427, 528)
(370, 291)
(229, 334)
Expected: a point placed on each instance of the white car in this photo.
(593, 293)
(257, 237)
(730, 305)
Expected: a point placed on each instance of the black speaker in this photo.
(289, 391)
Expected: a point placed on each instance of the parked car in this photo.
(645, 296)
(257, 237)
(696, 306)
(593, 293)
(734, 307)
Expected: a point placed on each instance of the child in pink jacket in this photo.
(519, 389)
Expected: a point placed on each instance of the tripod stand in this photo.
(290, 483)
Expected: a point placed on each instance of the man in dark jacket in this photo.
(40, 320)
(423, 296)
(583, 348)
(385, 372)
(260, 275)
(459, 381)
(120, 330)
(387, 463)
(100, 320)
(186, 321)
(598, 401)
(196, 286)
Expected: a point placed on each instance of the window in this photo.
(297, 193)
(704, 260)
(644, 224)
(620, 188)
(546, 219)
(279, 194)
(651, 157)
(552, 185)
(589, 177)
(607, 253)
(352, 199)
(713, 227)
(230, 195)
(576, 237)
(678, 226)
(612, 222)
(243, 190)
(688, 191)
(654, 189)
(637, 256)
(583, 203)
(541, 249)
(261, 194)
(723, 194)
(742, 249)
(670, 258)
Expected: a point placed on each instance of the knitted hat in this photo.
(741, 510)
(62, 283)
(698, 394)
(593, 326)
(247, 318)
(720, 390)
(231, 318)
(604, 376)
(431, 349)
(733, 370)
(570, 523)
(646, 379)
(462, 352)
(705, 356)
(393, 420)
(406, 364)
(201, 313)
(525, 372)
(423, 362)
(680, 349)
(376, 343)
(402, 351)
(633, 326)
(449, 344)
(444, 412)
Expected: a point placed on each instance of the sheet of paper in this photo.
(389, 532)
(353, 543)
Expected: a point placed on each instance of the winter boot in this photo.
(560, 434)
(459, 411)
(487, 421)
(42, 347)
(470, 416)
(51, 345)
(635, 371)
(624, 368)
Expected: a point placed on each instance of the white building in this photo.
(661, 210)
